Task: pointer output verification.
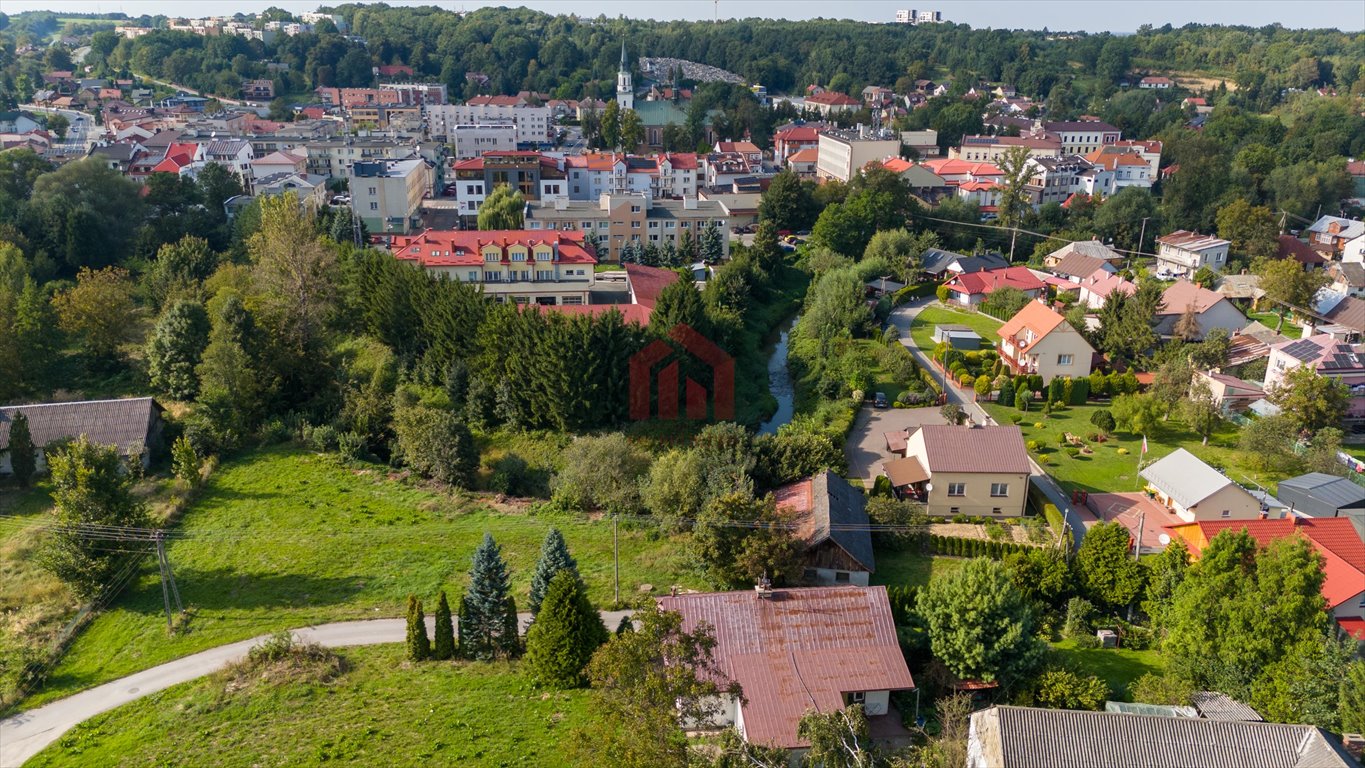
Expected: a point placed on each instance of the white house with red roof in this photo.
(278, 162)
(794, 138)
(829, 102)
(1038, 340)
(523, 266)
(182, 159)
(1182, 253)
(963, 470)
(1211, 310)
(797, 650)
(1335, 538)
(804, 162)
(970, 289)
(1330, 357)
(985, 194)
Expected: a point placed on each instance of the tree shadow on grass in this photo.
(221, 589)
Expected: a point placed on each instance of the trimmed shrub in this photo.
(1080, 392)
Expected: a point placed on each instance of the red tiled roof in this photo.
(448, 248)
(894, 164)
(974, 449)
(745, 147)
(954, 167)
(1335, 538)
(646, 283)
(800, 133)
(683, 161)
(987, 281)
(1353, 627)
(1292, 247)
(797, 650)
(807, 155)
(1190, 241)
(833, 99)
(630, 313)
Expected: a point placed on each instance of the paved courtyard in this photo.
(866, 444)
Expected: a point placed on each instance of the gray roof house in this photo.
(1213, 705)
(944, 264)
(133, 425)
(1321, 495)
(831, 518)
(1026, 737)
(1195, 491)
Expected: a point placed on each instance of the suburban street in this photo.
(26, 734)
(79, 136)
(902, 317)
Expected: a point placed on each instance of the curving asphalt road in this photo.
(27, 733)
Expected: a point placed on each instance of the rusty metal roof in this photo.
(798, 649)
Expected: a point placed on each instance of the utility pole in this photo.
(1014, 234)
(1137, 545)
(169, 590)
(616, 557)
(1142, 237)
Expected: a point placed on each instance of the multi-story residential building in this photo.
(794, 138)
(989, 149)
(476, 140)
(234, 154)
(1039, 340)
(1332, 233)
(387, 194)
(1129, 168)
(418, 94)
(618, 219)
(1156, 82)
(673, 175)
(1080, 137)
(1149, 150)
(349, 98)
(311, 189)
(535, 124)
(333, 157)
(1054, 179)
(1330, 357)
(1182, 253)
(829, 103)
(261, 90)
(535, 176)
(521, 266)
(845, 152)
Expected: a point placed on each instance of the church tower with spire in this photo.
(625, 90)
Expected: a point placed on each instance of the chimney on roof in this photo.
(764, 587)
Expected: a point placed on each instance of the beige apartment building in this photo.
(619, 219)
(843, 153)
(387, 194)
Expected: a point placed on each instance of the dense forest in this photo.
(570, 57)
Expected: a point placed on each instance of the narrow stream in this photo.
(780, 381)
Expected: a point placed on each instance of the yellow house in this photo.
(1194, 491)
(970, 470)
(1038, 340)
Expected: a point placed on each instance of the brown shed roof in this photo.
(798, 649)
(975, 449)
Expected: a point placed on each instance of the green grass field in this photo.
(383, 711)
(908, 568)
(1108, 470)
(285, 538)
(922, 329)
(1117, 666)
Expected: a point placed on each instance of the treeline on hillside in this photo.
(569, 57)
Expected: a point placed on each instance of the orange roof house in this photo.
(1038, 340)
(972, 288)
(1335, 538)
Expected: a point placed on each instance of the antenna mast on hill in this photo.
(717, 4)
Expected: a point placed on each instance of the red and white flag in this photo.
(1144, 445)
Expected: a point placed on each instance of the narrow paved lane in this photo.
(903, 317)
(27, 733)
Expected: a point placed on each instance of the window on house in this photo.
(809, 574)
(635, 225)
(1226, 513)
(491, 277)
(1000, 489)
(571, 300)
(995, 510)
(954, 510)
(374, 206)
(374, 191)
(957, 489)
(1065, 359)
(841, 577)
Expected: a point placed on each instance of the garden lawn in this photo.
(906, 567)
(922, 329)
(1109, 471)
(1117, 666)
(382, 711)
(285, 538)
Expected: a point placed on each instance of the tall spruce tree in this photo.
(485, 629)
(566, 633)
(554, 557)
(712, 244)
(444, 646)
(419, 648)
(23, 455)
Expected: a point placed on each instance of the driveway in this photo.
(902, 317)
(27, 733)
(865, 446)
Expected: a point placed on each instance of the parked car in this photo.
(879, 400)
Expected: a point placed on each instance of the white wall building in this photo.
(474, 140)
(535, 125)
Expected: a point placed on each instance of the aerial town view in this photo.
(704, 384)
